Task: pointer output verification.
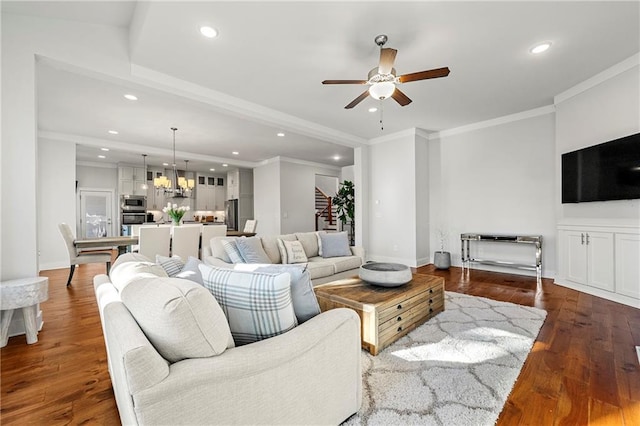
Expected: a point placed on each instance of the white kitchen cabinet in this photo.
(210, 193)
(628, 264)
(131, 179)
(221, 197)
(588, 258)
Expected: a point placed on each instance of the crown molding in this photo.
(281, 159)
(549, 109)
(605, 75)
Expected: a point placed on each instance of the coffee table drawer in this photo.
(426, 308)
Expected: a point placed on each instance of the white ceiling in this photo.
(270, 57)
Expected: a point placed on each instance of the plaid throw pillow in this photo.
(257, 305)
(231, 248)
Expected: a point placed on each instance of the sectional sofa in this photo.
(322, 269)
(172, 359)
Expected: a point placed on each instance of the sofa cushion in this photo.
(320, 241)
(318, 267)
(335, 244)
(217, 250)
(344, 263)
(270, 245)
(231, 248)
(190, 271)
(179, 317)
(309, 242)
(251, 250)
(257, 305)
(171, 265)
(294, 252)
(127, 271)
(305, 303)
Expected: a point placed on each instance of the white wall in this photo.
(422, 189)
(97, 177)
(498, 179)
(392, 199)
(56, 171)
(605, 111)
(266, 198)
(327, 184)
(347, 173)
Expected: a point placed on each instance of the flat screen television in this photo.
(608, 171)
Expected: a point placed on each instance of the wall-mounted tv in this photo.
(608, 171)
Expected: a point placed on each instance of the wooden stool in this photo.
(25, 294)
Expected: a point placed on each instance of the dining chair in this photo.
(77, 257)
(250, 225)
(185, 242)
(210, 231)
(154, 240)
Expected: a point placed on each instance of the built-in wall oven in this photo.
(133, 211)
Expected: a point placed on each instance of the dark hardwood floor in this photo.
(582, 370)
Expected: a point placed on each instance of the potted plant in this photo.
(345, 203)
(442, 259)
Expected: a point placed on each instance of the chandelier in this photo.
(179, 186)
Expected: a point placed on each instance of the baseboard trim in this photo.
(614, 297)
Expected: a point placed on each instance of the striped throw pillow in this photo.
(171, 265)
(257, 305)
(231, 248)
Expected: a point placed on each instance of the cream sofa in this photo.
(322, 270)
(308, 375)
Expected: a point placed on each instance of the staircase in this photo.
(326, 218)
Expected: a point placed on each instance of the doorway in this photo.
(97, 212)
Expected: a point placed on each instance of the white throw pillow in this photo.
(257, 305)
(295, 252)
(126, 272)
(179, 317)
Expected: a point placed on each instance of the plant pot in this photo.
(442, 259)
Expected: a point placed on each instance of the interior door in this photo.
(96, 211)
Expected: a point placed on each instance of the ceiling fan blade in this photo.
(424, 75)
(400, 97)
(357, 100)
(344, 82)
(387, 58)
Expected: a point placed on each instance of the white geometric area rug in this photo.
(456, 369)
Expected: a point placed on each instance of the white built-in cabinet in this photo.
(601, 260)
(130, 180)
(156, 199)
(210, 192)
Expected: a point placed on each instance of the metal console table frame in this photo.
(536, 240)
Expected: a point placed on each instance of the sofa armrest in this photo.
(358, 251)
(311, 374)
(215, 261)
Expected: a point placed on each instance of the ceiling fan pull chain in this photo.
(381, 117)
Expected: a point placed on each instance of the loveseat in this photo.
(193, 373)
(322, 269)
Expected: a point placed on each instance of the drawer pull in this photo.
(399, 306)
(431, 290)
(400, 328)
(430, 300)
(399, 318)
(430, 310)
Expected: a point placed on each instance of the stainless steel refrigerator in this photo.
(231, 207)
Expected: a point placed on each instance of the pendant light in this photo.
(144, 162)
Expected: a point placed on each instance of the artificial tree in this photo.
(345, 203)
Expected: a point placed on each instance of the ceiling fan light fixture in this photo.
(382, 90)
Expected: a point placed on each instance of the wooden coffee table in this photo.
(386, 314)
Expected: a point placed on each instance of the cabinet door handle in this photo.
(587, 238)
(581, 238)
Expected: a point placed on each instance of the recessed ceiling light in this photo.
(212, 170)
(165, 164)
(235, 153)
(102, 156)
(209, 32)
(113, 132)
(104, 149)
(131, 97)
(281, 135)
(336, 157)
(225, 165)
(541, 47)
(373, 109)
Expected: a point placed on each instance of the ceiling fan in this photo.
(382, 80)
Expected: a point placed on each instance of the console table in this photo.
(535, 240)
